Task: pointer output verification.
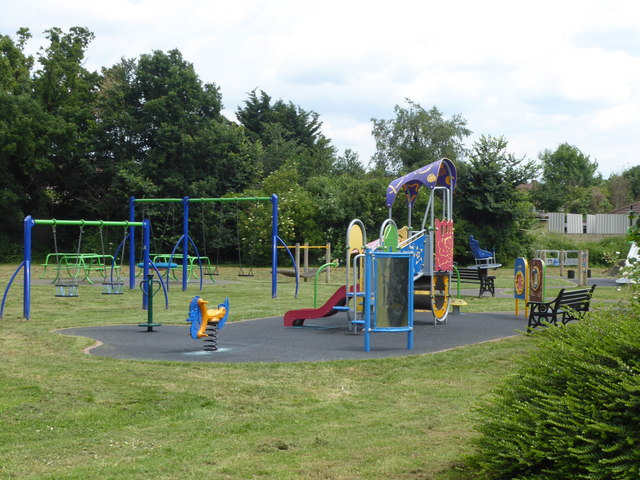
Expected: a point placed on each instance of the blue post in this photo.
(274, 245)
(28, 225)
(368, 268)
(132, 245)
(410, 289)
(145, 253)
(185, 242)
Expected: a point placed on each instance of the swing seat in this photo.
(66, 289)
(242, 274)
(209, 271)
(161, 265)
(112, 288)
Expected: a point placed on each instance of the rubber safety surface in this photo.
(325, 339)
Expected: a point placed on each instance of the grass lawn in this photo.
(68, 415)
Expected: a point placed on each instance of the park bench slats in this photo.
(477, 276)
(567, 306)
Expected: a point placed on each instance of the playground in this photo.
(147, 410)
(400, 282)
(111, 387)
(115, 325)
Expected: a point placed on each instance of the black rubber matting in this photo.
(325, 339)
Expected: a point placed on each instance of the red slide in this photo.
(295, 318)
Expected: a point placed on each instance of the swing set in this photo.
(185, 240)
(75, 263)
(69, 288)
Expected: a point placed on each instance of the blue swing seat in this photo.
(161, 265)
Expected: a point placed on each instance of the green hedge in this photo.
(572, 409)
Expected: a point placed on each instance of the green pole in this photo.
(458, 278)
(315, 281)
(93, 223)
(149, 282)
(200, 200)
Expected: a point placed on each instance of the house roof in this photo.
(634, 207)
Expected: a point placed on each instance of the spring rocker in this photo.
(207, 322)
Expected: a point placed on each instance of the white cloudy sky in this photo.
(539, 73)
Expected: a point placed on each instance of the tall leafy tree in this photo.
(66, 92)
(288, 133)
(172, 109)
(256, 114)
(22, 143)
(348, 164)
(619, 191)
(161, 131)
(417, 137)
(633, 176)
(568, 178)
(489, 203)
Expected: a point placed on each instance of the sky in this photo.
(537, 73)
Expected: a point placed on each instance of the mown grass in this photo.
(68, 415)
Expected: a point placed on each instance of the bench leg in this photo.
(487, 286)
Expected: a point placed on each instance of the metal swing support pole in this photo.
(185, 231)
(30, 222)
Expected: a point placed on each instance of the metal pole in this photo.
(368, 262)
(199, 200)
(145, 261)
(30, 222)
(232, 199)
(132, 244)
(297, 259)
(328, 260)
(274, 245)
(185, 242)
(26, 306)
(274, 228)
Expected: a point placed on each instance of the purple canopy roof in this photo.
(438, 174)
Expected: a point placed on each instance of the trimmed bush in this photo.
(572, 409)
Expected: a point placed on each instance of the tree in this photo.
(633, 175)
(66, 92)
(348, 164)
(21, 139)
(489, 203)
(567, 175)
(417, 137)
(619, 191)
(287, 133)
(161, 132)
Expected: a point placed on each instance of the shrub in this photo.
(572, 409)
(606, 251)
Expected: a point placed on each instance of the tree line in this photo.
(77, 144)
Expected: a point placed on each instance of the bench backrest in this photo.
(575, 299)
(469, 273)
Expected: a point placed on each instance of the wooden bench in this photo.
(477, 276)
(568, 305)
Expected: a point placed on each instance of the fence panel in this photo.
(556, 222)
(611, 224)
(601, 223)
(574, 223)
